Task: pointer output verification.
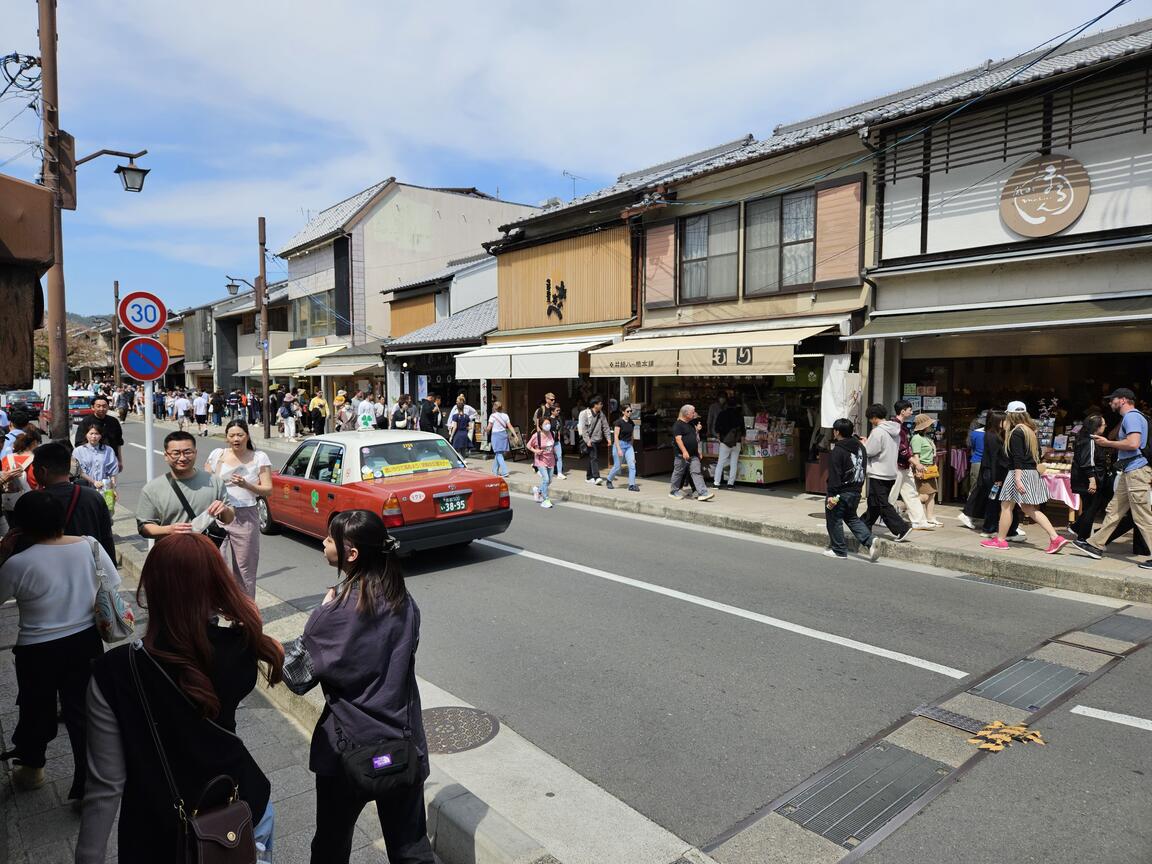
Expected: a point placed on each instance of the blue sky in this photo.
(280, 109)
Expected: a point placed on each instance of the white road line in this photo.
(1113, 717)
(737, 611)
(142, 447)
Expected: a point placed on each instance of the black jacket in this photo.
(197, 749)
(1084, 467)
(732, 417)
(994, 468)
(110, 427)
(847, 467)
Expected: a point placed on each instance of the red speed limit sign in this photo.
(142, 313)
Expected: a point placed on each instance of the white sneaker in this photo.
(1018, 537)
(874, 550)
(560, 476)
(597, 481)
(828, 553)
(546, 504)
(966, 521)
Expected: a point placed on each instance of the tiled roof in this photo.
(332, 220)
(467, 325)
(1083, 53)
(443, 274)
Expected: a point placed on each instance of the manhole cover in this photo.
(1029, 684)
(950, 718)
(863, 793)
(1126, 628)
(454, 729)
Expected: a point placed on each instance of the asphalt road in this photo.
(730, 669)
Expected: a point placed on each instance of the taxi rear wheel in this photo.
(267, 526)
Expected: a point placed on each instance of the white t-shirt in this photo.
(199, 406)
(181, 405)
(500, 421)
(237, 495)
(366, 415)
(54, 587)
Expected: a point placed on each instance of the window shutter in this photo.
(839, 235)
(660, 266)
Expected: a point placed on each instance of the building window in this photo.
(277, 319)
(709, 264)
(313, 315)
(247, 323)
(779, 243)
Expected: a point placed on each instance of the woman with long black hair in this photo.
(362, 643)
(193, 674)
(1090, 477)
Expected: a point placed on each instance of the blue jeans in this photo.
(558, 449)
(844, 513)
(263, 835)
(500, 466)
(618, 463)
(544, 474)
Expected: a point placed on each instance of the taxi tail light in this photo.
(505, 496)
(393, 518)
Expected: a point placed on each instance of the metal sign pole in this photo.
(149, 431)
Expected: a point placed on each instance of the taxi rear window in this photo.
(407, 457)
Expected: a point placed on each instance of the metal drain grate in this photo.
(950, 718)
(863, 793)
(1126, 628)
(1029, 684)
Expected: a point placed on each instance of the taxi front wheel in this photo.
(267, 526)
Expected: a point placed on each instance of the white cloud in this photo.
(269, 108)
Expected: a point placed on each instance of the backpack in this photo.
(284, 412)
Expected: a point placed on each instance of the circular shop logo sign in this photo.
(1044, 196)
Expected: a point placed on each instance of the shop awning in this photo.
(756, 352)
(295, 360)
(1121, 310)
(525, 360)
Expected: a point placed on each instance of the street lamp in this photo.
(132, 176)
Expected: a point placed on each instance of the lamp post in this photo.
(260, 291)
(54, 168)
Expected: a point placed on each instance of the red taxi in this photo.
(414, 480)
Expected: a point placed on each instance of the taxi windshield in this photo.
(407, 457)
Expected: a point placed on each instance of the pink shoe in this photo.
(994, 543)
(1056, 545)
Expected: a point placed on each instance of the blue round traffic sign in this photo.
(144, 359)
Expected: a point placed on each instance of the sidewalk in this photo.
(799, 518)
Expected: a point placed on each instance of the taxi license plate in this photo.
(452, 504)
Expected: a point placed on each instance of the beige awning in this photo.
(296, 360)
(757, 352)
(1119, 310)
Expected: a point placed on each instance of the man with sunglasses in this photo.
(161, 512)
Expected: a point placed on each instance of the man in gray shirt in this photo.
(160, 511)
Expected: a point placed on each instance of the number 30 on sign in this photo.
(142, 313)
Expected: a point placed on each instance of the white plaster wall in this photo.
(474, 285)
(413, 231)
(248, 355)
(1120, 170)
(902, 218)
(359, 300)
(1065, 276)
(311, 272)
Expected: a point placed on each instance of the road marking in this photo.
(891, 563)
(1113, 717)
(778, 623)
(142, 447)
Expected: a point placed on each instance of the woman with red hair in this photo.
(193, 673)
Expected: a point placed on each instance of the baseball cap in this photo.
(1016, 406)
(1123, 393)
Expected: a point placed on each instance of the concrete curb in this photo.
(1041, 574)
(462, 827)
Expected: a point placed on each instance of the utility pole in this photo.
(115, 332)
(56, 313)
(262, 308)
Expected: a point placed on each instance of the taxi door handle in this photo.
(295, 488)
(331, 497)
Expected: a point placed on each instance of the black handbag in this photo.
(221, 834)
(387, 766)
(215, 532)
